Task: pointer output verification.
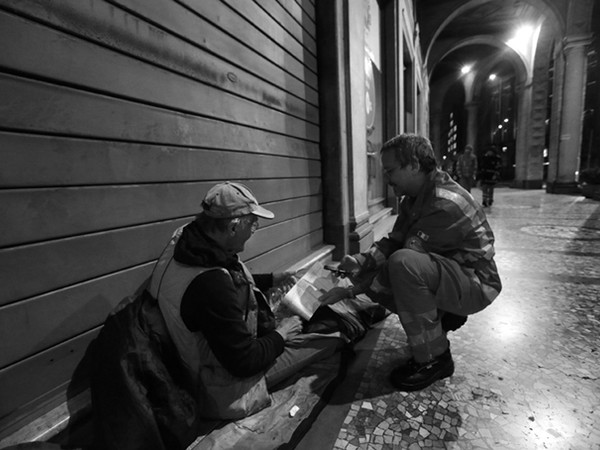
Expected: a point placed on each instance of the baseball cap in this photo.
(227, 200)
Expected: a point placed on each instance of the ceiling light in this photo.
(492, 76)
(465, 69)
(523, 39)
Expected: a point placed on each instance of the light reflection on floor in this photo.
(527, 368)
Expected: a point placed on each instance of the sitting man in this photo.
(220, 322)
(438, 260)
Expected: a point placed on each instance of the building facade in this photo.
(116, 118)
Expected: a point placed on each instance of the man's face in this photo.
(244, 229)
(404, 180)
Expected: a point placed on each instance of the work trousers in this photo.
(466, 182)
(423, 287)
(487, 194)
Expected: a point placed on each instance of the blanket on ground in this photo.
(141, 401)
(294, 407)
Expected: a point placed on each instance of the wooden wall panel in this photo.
(291, 24)
(33, 269)
(279, 234)
(39, 214)
(292, 251)
(33, 161)
(303, 12)
(264, 23)
(42, 54)
(46, 372)
(41, 322)
(116, 117)
(36, 106)
(236, 25)
(183, 49)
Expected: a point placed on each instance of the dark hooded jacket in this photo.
(211, 305)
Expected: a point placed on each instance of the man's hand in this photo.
(349, 264)
(286, 280)
(289, 328)
(335, 294)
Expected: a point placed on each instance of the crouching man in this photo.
(435, 267)
(219, 320)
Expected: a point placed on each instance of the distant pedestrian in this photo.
(466, 168)
(489, 174)
(449, 165)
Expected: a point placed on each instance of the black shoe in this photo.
(404, 369)
(414, 376)
(452, 322)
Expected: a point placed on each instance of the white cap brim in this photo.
(259, 211)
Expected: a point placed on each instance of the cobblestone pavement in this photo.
(527, 367)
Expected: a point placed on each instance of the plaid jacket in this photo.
(443, 220)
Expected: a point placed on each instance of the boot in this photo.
(414, 376)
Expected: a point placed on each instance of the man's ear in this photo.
(231, 227)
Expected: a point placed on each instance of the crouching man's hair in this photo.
(412, 149)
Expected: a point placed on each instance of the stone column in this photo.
(569, 147)
(472, 110)
(557, 94)
(435, 131)
(528, 161)
(334, 144)
(361, 231)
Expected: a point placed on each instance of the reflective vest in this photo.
(220, 394)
